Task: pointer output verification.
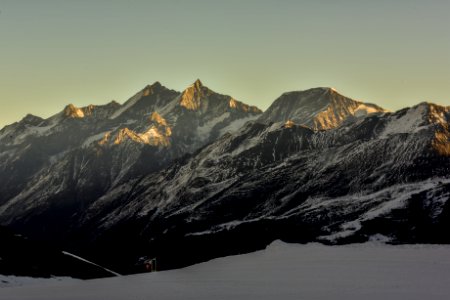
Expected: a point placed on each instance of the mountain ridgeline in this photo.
(185, 177)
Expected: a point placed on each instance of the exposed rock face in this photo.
(191, 98)
(74, 112)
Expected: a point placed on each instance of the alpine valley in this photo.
(189, 176)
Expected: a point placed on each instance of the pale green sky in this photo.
(393, 53)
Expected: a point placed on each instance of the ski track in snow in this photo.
(90, 262)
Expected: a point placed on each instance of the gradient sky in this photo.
(393, 53)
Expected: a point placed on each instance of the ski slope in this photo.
(282, 271)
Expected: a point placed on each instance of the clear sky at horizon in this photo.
(393, 53)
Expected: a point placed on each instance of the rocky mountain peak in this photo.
(191, 97)
(114, 103)
(71, 111)
(317, 108)
(150, 98)
(198, 84)
(198, 97)
(424, 113)
(32, 119)
(152, 88)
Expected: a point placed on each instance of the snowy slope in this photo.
(15, 281)
(282, 271)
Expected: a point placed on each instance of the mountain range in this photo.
(189, 176)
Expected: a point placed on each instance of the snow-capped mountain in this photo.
(80, 153)
(317, 108)
(194, 175)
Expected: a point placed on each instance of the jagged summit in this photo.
(113, 104)
(198, 97)
(150, 98)
(71, 111)
(31, 119)
(317, 108)
(152, 88)
(192, 96)
(198, 83)
(156, 84)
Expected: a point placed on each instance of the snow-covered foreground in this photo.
(282, 271)
(8, 281)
